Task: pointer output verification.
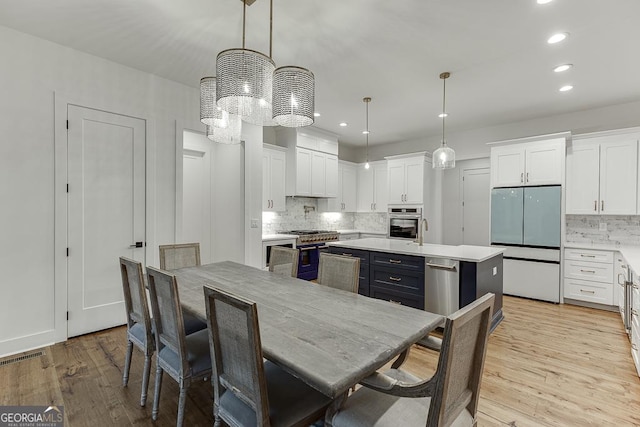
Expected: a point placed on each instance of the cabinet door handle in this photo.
(588, 271)
(587, 256)
(395, 261)
(346, 254)
(374, 206)
(371, 206)
(587, 291)
(395, 279)
(634, 346)
(634, 312)
(602, 206)
(395, 302)
(595, 205)
(527, 176)
(521, 176)
(635, 286)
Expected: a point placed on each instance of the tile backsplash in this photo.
(302, 214)
(620, 230)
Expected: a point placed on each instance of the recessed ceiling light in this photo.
(556, 38)
(563, 67)
(566, 88)
(343, 124)
(544, 1)
(442, 115)
(365, 132)
(316, 114)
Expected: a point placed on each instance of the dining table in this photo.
(328, 338)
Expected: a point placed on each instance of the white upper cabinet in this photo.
(406, 180)
(345, 200)
(273, 179)
(602, 175)
(532, 163)
(372, 194)
(312, 162)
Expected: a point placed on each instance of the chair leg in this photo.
(182, 400)
(156, 394)
(216, 415)
(145, 379)
(127, 364)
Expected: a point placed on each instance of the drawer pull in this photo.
(587, 256)
(586, 291)
(395, 279)
(395, 302)
(395, 261)
(588, 271)
(346, 254)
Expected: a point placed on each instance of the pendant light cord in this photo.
(270, 27)
(366, 102)
(244, 14)
(444, 111)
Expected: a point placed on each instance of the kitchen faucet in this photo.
(421, 233)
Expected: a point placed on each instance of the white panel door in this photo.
(397, 188)
(475, 207)
(318, 174)
(331, 176)
(414, 181)
(348, 188)
(365, 188)
(583, 179)
(106, 213)
(507, 166)
(277, 184)
(381, 188)
(544, 164)
(303, 172)
(266, 180)
(618, 177)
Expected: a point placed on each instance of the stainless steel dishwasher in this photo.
(442, 289)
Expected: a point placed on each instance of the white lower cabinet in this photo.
(635, 325)
(588, 276)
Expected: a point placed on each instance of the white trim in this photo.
(566, 135)
(614, 132)
(404, 156)
(274, 147)
(27, 343)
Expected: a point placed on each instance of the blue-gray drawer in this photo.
(406, 262)
(393, 278)
(363, 255)
(397, 297)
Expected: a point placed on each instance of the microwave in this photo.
(404, 223)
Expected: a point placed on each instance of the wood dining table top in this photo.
(328, 338)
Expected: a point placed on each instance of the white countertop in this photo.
(271, 237)
(631, 254)
(382, 233)
(462, 252)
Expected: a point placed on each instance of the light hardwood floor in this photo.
(546, 365)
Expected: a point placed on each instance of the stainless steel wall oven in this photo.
(404, 223)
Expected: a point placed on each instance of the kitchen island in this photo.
(436, 278)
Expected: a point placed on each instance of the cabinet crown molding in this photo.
(424, 154)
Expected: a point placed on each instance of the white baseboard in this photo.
(26, 343)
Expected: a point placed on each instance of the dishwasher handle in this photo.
(442, 267)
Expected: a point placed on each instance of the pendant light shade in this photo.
(244, 85)
(293, 96)
(444, 157)
(229, 134)
(210, 113)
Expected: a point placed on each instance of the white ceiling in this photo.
(392, 51)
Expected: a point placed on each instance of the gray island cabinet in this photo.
(395, 270)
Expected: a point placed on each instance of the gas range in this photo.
(308, 237)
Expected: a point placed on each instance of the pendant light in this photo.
(230, 133)
(366, 101)
(444, 157)
(245, 81)
(210, 113)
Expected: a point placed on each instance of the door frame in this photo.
(462, 207)
(61, 101)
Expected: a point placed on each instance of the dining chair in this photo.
(184, 357)
(247, 390)
(284, 261)
(339, 271)
(179, 255)
(139, 325)
(449, 397)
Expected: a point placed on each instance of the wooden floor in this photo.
(546, 365)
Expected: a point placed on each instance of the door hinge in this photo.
(67, 124)
(67, 251)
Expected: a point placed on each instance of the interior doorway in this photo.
(475, 207)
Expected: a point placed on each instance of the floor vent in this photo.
(21, 358)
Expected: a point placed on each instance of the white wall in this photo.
(32, 70)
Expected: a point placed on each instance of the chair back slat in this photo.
(173, 257)
(461, 361)
(135, 295)
(167, 312)
(339, 272)
(284, 261)
(236, 350)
